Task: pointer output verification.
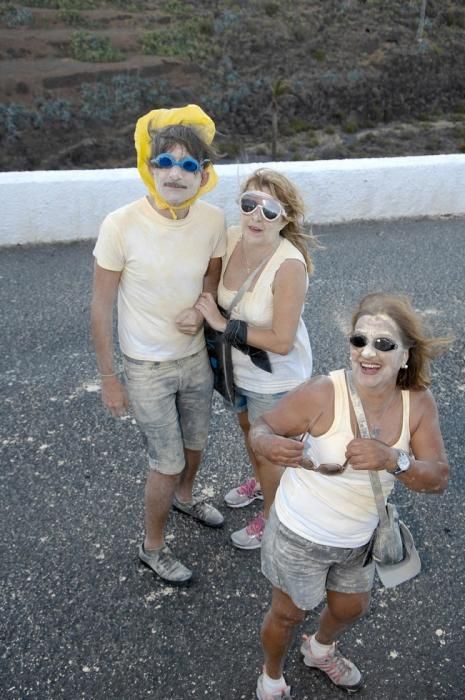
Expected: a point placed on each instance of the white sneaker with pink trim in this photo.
(250, 537)
(339, 670)
(244, 494)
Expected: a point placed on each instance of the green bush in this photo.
(72, 17)
(14, 118)
(15, 16)
(185, 42)
(93, 48)
(66, 4)
(350, 126)
(122, 94)
(319, 55)
(297, 124)
(271, 8)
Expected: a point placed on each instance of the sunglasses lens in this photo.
(358, 341)
(248, 205)
(270, 209)
(269, 213)
(384, 344)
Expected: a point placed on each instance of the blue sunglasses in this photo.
(189, 164)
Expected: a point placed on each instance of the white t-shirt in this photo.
(338, 510)
(256, 309)
(163, 263)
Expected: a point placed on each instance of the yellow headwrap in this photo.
(190, 115)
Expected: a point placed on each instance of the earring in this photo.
(404, 366)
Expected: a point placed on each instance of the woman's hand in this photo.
(209, 310)
(364, 453)
(279, 450)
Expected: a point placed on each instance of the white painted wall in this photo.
(51, 206)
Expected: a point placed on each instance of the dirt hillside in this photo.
(346, 78)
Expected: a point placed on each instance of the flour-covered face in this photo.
(256, 227)
(376, 350)
(176, 185)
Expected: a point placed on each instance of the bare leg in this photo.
(159, 492)
(243, 419)
(268, 475)
(187, 477)
(269, 478)
(278, 631)
(341, 611)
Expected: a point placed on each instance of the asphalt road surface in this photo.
(80, 618)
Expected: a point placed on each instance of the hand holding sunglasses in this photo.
(189, 164)
(329, 468)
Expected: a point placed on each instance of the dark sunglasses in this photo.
(382, 344)
(329, 469)
(270, 208)
(189, 164)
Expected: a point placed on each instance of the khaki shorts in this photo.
(172, 406)
(305, 570)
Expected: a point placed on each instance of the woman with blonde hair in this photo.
(270, 239)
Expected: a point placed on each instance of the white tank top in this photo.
(256, 309)
(339, 510)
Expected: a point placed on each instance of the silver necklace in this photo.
(375, 430)
(249, 267)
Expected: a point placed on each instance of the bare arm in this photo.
(429, 470)
(106, 283)
(212, 276)
(190, 321)
(310, 404)
(289, 291)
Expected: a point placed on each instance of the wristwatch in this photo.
(403, 463)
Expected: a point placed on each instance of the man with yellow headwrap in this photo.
(157, 255)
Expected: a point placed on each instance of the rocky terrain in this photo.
(344, 78)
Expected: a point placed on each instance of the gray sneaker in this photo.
(201, 511)
(262, 695)
(339, 670)
(165, 565)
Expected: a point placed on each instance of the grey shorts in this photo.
(305, 570)
(172, 405)
(255, 404)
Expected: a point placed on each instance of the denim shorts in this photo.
(255, 404)
(305, 570)
(172, 406)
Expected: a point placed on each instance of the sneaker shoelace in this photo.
(247, 488)
(334, 664)
(168, 561)
(256, 526)
(200, 507)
